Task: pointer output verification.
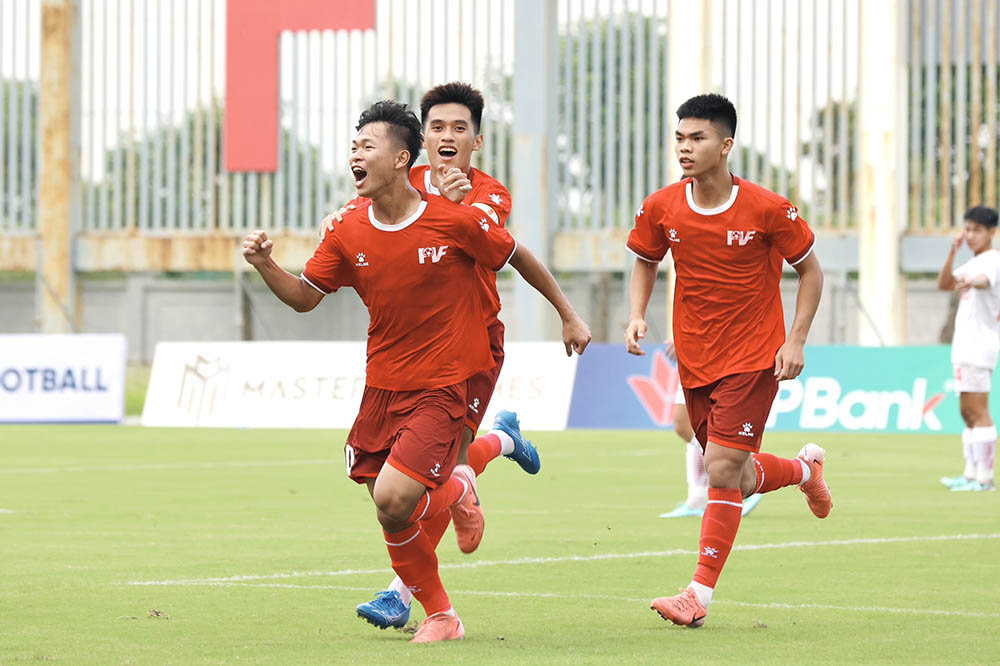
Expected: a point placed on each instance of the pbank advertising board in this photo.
(875, 389)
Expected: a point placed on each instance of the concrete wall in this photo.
(153, 309)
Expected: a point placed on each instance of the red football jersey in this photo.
(489, 196)
(728, 317)
(426, 330)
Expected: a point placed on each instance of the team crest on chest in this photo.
(672, 236)
(362, 261)
(739, 237)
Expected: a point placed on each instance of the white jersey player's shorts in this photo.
(972, 379)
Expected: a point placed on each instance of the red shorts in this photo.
(417, 432)
(481, 386)
(732, 411)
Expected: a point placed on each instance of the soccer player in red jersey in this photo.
(451, 116)
(729, 239)
(411, 256)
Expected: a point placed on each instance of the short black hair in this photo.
(713, 108)
(400, 120)
(983, 215)
(455, 92)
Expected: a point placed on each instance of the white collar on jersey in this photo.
(427, 183)
(381, 226)
(689, 192)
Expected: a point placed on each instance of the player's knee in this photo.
(393, 507)
(724, 473)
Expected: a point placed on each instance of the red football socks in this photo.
(435, 527)
(718, 531)
(433, 502)
(774, 472)
(415, 563)
(482, 450)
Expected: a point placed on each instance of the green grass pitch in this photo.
(124, 545)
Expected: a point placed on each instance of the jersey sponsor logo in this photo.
(436, 470)
(496, 198)
(361, 259)
(672, 236)
(433, 253)
(483, 224)
(792, 213)
(747, 430)
(475, 405)
(738, 236)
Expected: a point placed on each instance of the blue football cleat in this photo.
(385, 610)
(683, 511)
(750, 503)
(524, 453)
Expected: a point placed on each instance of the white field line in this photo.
(566, 558)
(7, 511)
(604, 597)
(170, 466)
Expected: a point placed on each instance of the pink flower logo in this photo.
(657, 392)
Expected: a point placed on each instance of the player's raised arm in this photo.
(575, 332)
(640, 289)
(946, 278)
(293, 291)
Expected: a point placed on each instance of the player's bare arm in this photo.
(575, 332)
(946, 281)
(292, 290)
(790, 359)
(640, 289)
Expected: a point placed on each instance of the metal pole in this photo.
(882, 193)
(535, 100)
(59, 175)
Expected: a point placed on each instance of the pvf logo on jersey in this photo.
(741, 237)
(433, 253)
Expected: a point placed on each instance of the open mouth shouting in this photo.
(448, 152)
(359, 175)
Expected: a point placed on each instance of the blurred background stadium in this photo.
(130, 131)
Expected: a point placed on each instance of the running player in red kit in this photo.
(451, 115)
(729, 239)
(411, 256)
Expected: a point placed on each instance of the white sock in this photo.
(969, 452)
(807, 472)
(404, 592)
(506, 443)
(697, 481)
(703, 592)
(984, 441)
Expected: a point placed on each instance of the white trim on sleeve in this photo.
(802, 258)
(639, 256)
(302, 276)
(510, 256)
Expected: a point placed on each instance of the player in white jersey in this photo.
(975, 345)
(694, 460)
